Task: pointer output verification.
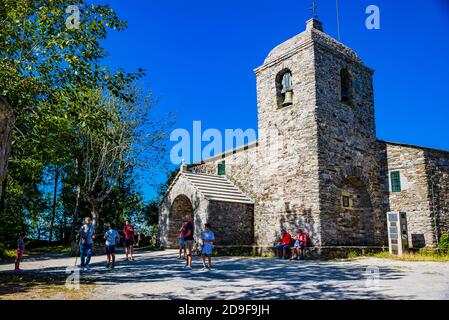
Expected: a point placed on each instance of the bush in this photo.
(444, 243)
(352, 254)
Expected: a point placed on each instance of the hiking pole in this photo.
(77, 245)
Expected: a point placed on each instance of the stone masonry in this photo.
(317, 163)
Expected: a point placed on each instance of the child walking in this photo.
(182, 242)
(111, 237)
(208, 238)
(20, 251)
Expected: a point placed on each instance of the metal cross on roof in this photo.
(313, 8)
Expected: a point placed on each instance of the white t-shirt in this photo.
(111, 236)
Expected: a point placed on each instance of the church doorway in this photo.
(181, 207)
(355, 218)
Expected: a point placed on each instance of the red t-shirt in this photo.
(302, 237)
(129, 232)
(286, 239)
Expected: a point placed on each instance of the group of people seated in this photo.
(298, 243)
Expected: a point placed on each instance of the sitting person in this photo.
(284, 247)
(300, 244)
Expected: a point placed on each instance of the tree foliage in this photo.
(82, 133)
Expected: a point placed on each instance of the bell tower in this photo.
(288, 140)
(317, 142)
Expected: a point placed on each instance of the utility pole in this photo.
(338, 20)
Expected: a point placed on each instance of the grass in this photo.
(40, 287)
(9, 254)
(54, 249)
(145, 248)
(421, 255)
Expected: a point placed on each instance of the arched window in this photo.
(346, 86)
(284, 88)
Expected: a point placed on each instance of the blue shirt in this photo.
(20, 244)
(87, 232)
(208, 236)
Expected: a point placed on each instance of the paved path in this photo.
(158, 275)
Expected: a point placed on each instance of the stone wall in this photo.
(437, 167)
(348, 162)
(232, 223)
(288, 169)
(414, 196)
(320, 148)
(171, 210)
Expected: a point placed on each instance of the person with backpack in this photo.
(86, 235)
(128, 230)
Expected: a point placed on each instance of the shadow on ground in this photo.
(237, 278)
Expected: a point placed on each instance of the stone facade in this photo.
(417, 166)
(184, 198)
(437, 169)
(317, 163)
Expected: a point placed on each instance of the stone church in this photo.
(317, 164)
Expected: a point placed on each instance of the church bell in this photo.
(288, 99)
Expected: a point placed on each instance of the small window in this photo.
(346, 86)
(395, 181)
(221, 168)
(345, 201)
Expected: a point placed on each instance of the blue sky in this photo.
(200, 55)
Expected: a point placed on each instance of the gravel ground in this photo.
(159, 275)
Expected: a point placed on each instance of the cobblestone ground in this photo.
(159, 275)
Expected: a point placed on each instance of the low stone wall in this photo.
(321, 253)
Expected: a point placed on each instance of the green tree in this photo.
(40, 55)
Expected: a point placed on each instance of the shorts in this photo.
(189, 247)
(299, 244)
(129, 242)
(21, 252)
(207, 250)
(182, 242)
(110, 249)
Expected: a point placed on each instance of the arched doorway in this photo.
(181, 206)
(355, 216)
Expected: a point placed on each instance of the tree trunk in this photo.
(75, 214)
(64, 229)
(53, 212)
(6, 126)
(3, 186)
(95, 217)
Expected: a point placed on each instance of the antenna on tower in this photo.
(338, 20)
